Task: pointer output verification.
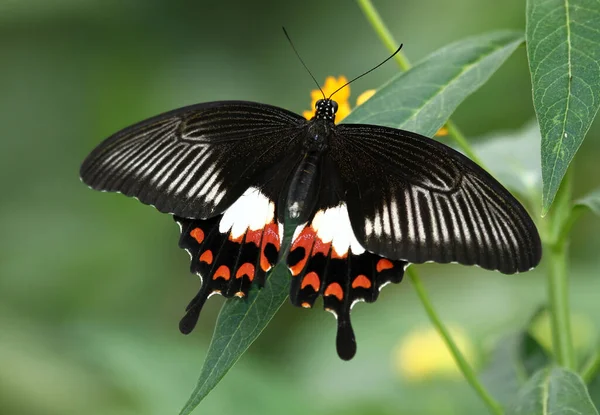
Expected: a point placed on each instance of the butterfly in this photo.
(361, 202)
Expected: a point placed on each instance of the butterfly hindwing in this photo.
(195, 161)
(412, 198)
(325, 259)
(231, 251)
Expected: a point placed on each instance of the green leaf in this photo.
(422, 99)
(553, 391)
(533, 356)
(513, 157)
(591, 201)
(563, 46)
(515, 358)
(504, 373)
(238, 325)
(594, 388)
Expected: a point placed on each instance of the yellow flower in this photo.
(341, 97)
(364, 97)
(423, 355)
(442, 132)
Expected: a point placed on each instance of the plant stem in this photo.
(591, 367)
(383, 32)
(464, 367)
(391, 44)
(558, 284)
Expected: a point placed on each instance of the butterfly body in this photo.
(361, 201)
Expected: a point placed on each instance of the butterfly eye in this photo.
(319, 103)
(334, 105)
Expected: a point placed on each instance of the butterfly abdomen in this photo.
(301, 195)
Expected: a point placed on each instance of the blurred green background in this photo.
(92, 285)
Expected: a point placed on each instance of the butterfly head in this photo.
(325, 109)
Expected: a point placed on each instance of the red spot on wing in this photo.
(305, 240)
(311, 279)
(306, 305)
(197, 234)
(254, 237)
(207, 257)
(335, 289)
(320, 247)
(384, 264)
(270, 236)
(222, 272)
(361, 282)
(246, 269)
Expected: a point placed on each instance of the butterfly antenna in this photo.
(298, 55)
(369, 71)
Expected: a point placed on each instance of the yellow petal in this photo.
(342, 112)
(362, 98)
(308, 114)
(442, 132)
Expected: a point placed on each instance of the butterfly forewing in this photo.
(196, 161)
(411, 198)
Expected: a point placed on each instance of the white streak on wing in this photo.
(219, 197)
(208, 185)
(194, 189)
(421, 235)
(377, 224)
(253, 210)
(478, 222)
(333, 225)
(156, 160)
(368, 227)
(169, 167)
(387, 227)
(409, 215)
(132, 164)
(184, 173)
(443, 225)
(395, 220)
(161, 177)
(213, 192)
(122, 150)
(432, 212)
(463, 223)
(123, 157)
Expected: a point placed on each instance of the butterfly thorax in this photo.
(301, 196)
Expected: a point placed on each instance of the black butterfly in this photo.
(363, 201)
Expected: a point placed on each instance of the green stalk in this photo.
(462, 363)
(383, 32)
(390, 43)
(558, 282)
(591, 367)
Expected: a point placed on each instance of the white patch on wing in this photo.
(333, 225)
(368, 227)
(253, 210)
(297, 231)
